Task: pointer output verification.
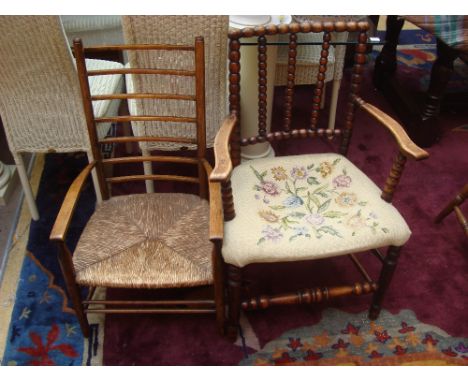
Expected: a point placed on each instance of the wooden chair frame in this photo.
(207, 190)
(454, 205)
(227, 153)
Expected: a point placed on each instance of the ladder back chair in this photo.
(304, 207)
(150, 240)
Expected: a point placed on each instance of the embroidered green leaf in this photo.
(385, 230)
(334, 214)
(312, 180)
(288, 189)
(363, 204)
(314, 199)
(320, 189)
(293, 237)
(277, 207)
(258, 175)
(263, 174)
(324, 206)
(300, 189)
(310, 167)
(261, 240)
(345, 172)
(329, 230)
(297, 215)
(335, 162)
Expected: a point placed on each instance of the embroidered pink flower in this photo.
(315, 219)
(342, 181)
(298, 172)
(270, 188)
(273, 234)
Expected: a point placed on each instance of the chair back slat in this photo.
(289, 92)
(356, 79)
(319, 87)
(262, 86)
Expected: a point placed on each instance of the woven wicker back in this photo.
(40, 101)
(180, 30)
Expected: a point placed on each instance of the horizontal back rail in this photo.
(133, 178)
(296, 133)
(148, 139)
(146, 118)
(160, 158)
(179, 97)
(97, 49)
(168, 72)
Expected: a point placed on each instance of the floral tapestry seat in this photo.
(307, 207)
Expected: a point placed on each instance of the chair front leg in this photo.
(234, 301)
(386, 275)
(66, 264)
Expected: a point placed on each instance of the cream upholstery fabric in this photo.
(306, 207)
(145, 241)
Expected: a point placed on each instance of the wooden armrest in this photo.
(216, 206)
(223, 164)
(407, 147)
(63, 219)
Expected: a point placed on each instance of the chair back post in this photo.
(234, 92)
(356, 79)
(89, 114)
(200, 113)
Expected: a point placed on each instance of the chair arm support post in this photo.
(216, 206)
(60, 228)
(407, 147)
(394, 177)
(223, 164)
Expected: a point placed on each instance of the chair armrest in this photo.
(216, 206)
(223, 165)
(407, 147)
(64, 216)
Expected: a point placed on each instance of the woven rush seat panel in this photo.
(307, 207)
(146, 241)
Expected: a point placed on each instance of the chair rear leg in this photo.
(218, 285)
(234, 301)
(26, 186)
(386, 275)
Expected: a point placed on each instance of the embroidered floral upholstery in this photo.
(306, 207)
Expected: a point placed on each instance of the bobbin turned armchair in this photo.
(303, 207)
(151, 240)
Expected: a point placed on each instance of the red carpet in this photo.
(430, 279)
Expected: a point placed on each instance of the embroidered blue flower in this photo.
(293, 201)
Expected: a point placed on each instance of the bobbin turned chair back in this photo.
(309, 206)
(235, 37)
(143, 91)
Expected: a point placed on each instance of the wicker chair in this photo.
(145, 241)
(40, 101)
(180, 30)
(304, 207)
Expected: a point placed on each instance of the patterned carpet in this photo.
(415, 327)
